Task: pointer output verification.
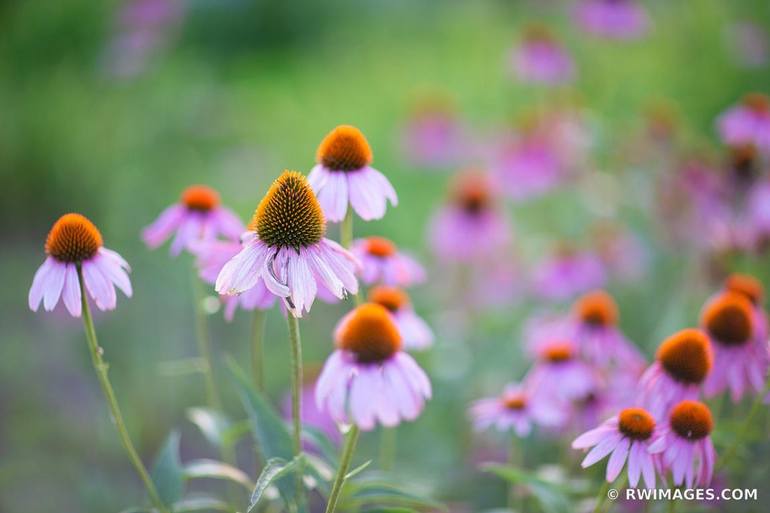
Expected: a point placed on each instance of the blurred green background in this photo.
(240, 90)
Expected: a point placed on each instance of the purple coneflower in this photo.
(312, 416)
(685, 446)
(286, 248)
(540, 58)
(568, 272)
(211, 258)
(415, 332)
(368, 379)
(614, 19)
(528, 166)
(629, 435)
(516, 409)
(199, 216)
(747, 123)
(752, 289)
(559, 372)
(471, 226)
(682, 363)
(343, 177)
(433, 135)
(741, 358)
(382, 262)
(595, 320)
(74, 242)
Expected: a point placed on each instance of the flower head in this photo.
(628, 435)
(742, 360)
(559, 371)
(529, 166)
(595, 320)
(471, 225)
(613, 19)
(540, 58)
(368, 379)
(74, 243)
(343, 177)
(682, 363)
(568, 272)
(685, 446)
(747, 123)
(516, 409)
(382, 262)
(414, 331)
(198, 216)
(285, 248)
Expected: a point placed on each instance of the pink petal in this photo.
(54, 282)
(38, 283)
(618, 459)
(71, 295)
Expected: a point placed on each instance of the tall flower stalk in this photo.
(204, 344)
(345, 458)
(101, 368)
(257, 349)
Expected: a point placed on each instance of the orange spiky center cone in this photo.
(757, 102)
(370, 334)
(515, 401)
(636, 423)
(344, 149)
(728, 319)
(597, 309)
(392, 298)
(200, 198)
(380, 247)
(691, 420)
(73, 238)
(686, 356)
(747, 285)
(289, 215)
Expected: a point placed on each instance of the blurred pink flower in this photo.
(311, 415)
(566, 273)
(343, 177)
(433, 136)
(560, 372)
(516, 409)
(471, 226)
(198, 216)
(383, 263)
(528, 166)
(415, 332)
(684, 445)
(74, 241)
(741, 358)
(368, 379)
(540, 58)
(747, 123)
(613, 19)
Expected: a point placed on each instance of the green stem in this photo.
(755, 407)
(388, 441)
(101, 368)
(345, 459)
(512, 460)
(601, 497)
(204, 344)
(257, 353)
(296, 392)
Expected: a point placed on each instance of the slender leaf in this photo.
(211, 423)
(200, 503)
(167, 471)
(551, 496)
(217, 470)
(182, 367)
(274, 469)
(319, 440)
(358, 469)
(379, 493)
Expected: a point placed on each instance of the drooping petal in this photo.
(242, 271)
(54, 282)
(618, 459)
(162, 228)
(37, 289)
(115, 273)
(98, 286)
(332, 194)
(71, 293)
(601, 449)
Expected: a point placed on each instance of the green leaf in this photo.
(393, 509)
(269, 430)
(200, 503)
(320, 471)
(318, 439)
(182, 367)
(217, 470)
(167, 471)
(211, 423)
(358, 494)
(357, 470)
(274, 469)
(551, 497)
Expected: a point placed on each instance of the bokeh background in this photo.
(229, 93)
